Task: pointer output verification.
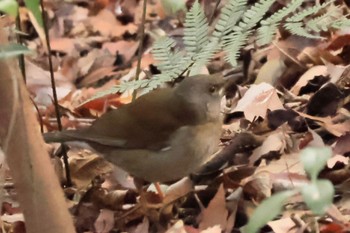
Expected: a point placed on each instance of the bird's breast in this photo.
(189, 148)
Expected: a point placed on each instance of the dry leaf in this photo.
(276, 142)
(105, 221)
(178, 227)
(307, 76)
(124, 48)
(257, 100)
(216, 212)
(283, 225)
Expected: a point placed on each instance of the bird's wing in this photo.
(147, 123)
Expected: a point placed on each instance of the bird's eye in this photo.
(212, 89)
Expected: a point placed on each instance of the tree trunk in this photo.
(39, 193)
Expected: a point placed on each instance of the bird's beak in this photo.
(222, 90)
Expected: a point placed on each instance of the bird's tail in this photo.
(60, 136)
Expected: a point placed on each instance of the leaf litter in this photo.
(299, 98)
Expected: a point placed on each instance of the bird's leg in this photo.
(159, 190)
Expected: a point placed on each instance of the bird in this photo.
(163, 135)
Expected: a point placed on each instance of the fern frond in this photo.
(341, 23)
(325, 21)
(123, 87)
(320, 23)
(196, 30)
(231, 13)
(204, 56)
(172, 63)
(232, 49)
(266, 33)
(235, 41)
(297, 28)
(280, 14)
(268, 28)
(165, 53)
(253, 15)
(131, 85)
(308, 11)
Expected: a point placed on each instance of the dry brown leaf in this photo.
(66, 45)
(216, 212)
(257, 100)
(258, 186)
(287, 163)
(283, 225)
(107, 25)
(86, 166)
(38, 82)
(327, 122)
(307, 76)
(337, 158)
(98, 74)
(125, 48)
(105, 221)
(178, 227)
(276, 142)
(342, 145)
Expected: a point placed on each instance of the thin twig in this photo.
(53, 86)
(211, 19)
(20, 41)
(139, 53)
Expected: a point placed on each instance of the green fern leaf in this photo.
(239, 40)
(297, 28)
(308, 11)
(266, 33)
(204, 56)
(341, 23)
(253, 15)
(279, 15)
(231, 13)
(325, 21)
(268, 28)
(196, 30)
(235, 41)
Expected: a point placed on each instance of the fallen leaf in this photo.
(337, 159)
(178, 227)
(124, 48)
(275, 142)
(307, 76)
(216, 212)
(107, 25)
(105, 221)
(283, 225)
(257, 100)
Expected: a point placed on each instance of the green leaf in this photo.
(196, 30)
(9, 7)
(12, 50)
(314, 159)
(318, 195)
(267, 211)
(34, 7)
